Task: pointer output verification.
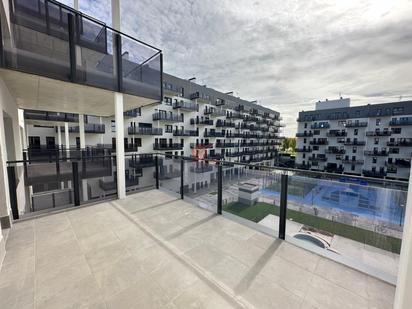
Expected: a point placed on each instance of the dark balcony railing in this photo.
(234, 116)
(354, 143)
(403, 163)
(353, 162)
(400, 143)
(378, 133)
(356, 124)
(375, 153)
(201, 146)
(53, 40)
(304, 134)
(224, 124)
(200, 121)
(373, 173)
(323, 125)
(88, 128)
(303, 149)
(182, 132)
(226, 145)
(319, 142)
(318, 159)
(173, 146)
(335, 150)
(167, 117)
(50, 116)
(214, 134)
(144, 131)
(336, 133)
(186, 106)
(234, 154)
(133, 112)
(140, 161)
(212, 112)
(214, 156)
(401, 122)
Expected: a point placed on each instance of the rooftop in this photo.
(167, 253)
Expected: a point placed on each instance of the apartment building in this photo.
(192, 120)
(373, 140)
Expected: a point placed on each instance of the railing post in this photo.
(118, 62)
(11, 173)
(72, 47)
(157, 171)
(283, 205)
(76, 183)
(25, 167)
(219, 188)
(182, 167)
(58, 166)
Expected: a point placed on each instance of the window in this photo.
(138, 142)
(379, 112)
(169, 128)
(357, 113)
(316, 132)
(378, 122)
(304, 155)
(306, 125)
(113, 125)
(376, 141)
(396, 130)
(352, 167)
(355, 132)
(354, 150)
(394, 150)
(374, 160)
(398, 110)
(304, 140)
(168, 100)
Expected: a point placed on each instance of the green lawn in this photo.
(259, 211)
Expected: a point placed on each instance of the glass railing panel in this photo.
(140, 172)
(201, 183)
(169, 174)
(352, 220)
(96, 62)
(97, 178)
(252, 195)
(141, 67)
(38, 46)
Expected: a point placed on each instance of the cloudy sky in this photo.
(285, 54)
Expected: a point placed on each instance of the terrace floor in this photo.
(152, 250)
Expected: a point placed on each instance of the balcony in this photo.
(402, 163)
(144, 131)
(319, 142)
(376, 153)
(234, 154)
(133, 113)
(50, 116)
(201, 121)
(374, 173)
(201, 146)
(214, 156)
(167, 117)
(318, 126)
(335, 150)
(52, 41)
(188, 106)
(354, 143)
(183, 132)
(240, 255)
(353, 162)
(224, 124)
(219, 102)
(142, 161)
(400, 122)
(164, 146)
(407, 142)
(378, 133)
(214, 134)
(304, 134)
(231, 115)
(212, 112)
(356, 124)
(96, 128)
(318, 158)
(226, 145)
(336, 133)
(303, 149)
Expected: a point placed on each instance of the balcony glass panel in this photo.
(169, 175)
(140, 172)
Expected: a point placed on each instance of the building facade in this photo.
(370, 140)
(191, 120)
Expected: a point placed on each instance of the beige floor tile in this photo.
(106, 256)
(298, 256)
(325, 294)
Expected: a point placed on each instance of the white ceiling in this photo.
(41, 93)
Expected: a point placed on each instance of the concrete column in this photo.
(76, 5)
(81, 132)
(116, 14)
(66, 137)
(120, 159)
(403, 295)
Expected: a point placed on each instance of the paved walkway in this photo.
(151, 250)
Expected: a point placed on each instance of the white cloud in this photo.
(285, 54)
